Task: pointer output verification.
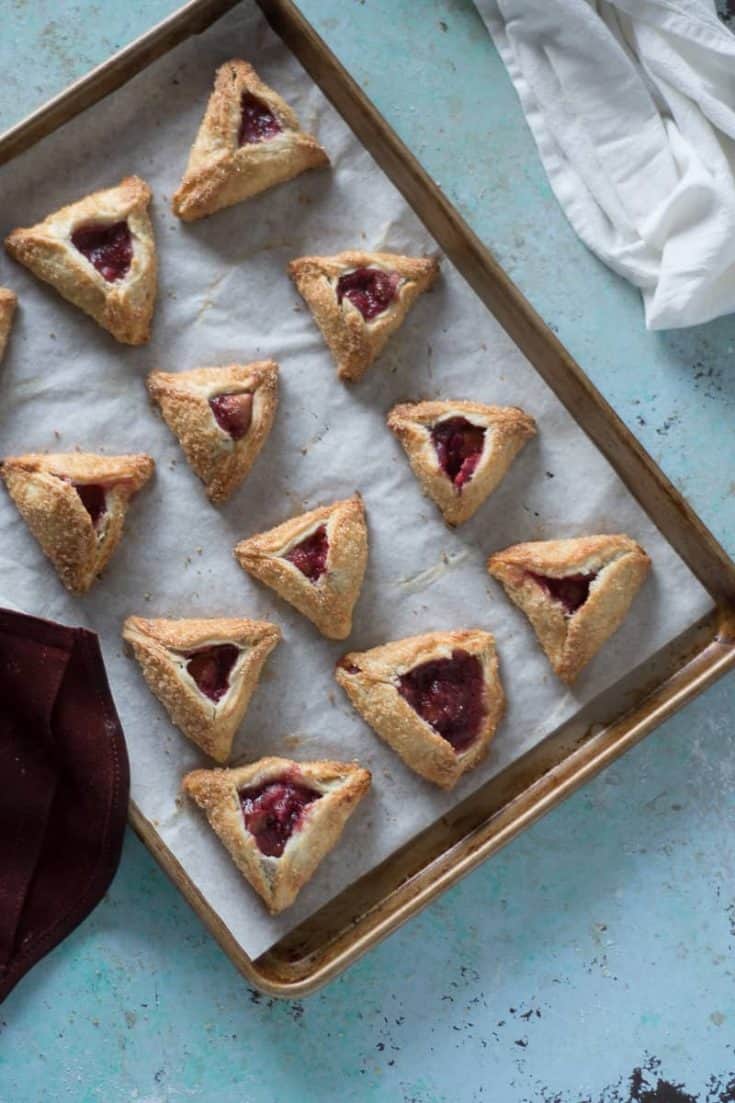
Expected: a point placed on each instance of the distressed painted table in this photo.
(593, 959)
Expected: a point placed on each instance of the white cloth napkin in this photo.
(632, 106)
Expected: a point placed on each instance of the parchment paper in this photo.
(224, 296)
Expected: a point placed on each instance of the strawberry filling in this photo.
(257, 121)
(108, 248)
(211, 668)
(571, 591)
(310, 556)
(459, 446)
(233, 413)
(449, 694)
(94, 500)
(371, 290)
(272, 812)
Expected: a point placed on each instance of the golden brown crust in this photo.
(161, 647)
(279, 880)
(370, 679)
(183, 397)
(41, 487)
(124, 307)
(355, 343)
(8, 303)
(570, 641)
(328, 602)
(507, 428)
(221, 173)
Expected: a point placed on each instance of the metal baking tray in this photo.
(340, 932)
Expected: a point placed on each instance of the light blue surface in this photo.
(599, 942)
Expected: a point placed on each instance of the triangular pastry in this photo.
(436, 699)
(75, 504)
(359, 299)
(99, 253)
(279, 818)
(8, 303)
(249, 140)
(316, 562)
(221, 416)
(460, 451)
(203, 672)
(575, 593)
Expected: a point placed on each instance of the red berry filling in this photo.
(310, 556)
(449, 694)
(571, 591)
(108, 248)
(371, 290)
(233, 413)
(272, 812)
(94, 499)
(211, 668)
(257, 121)
(459, 446)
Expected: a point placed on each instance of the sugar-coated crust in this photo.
(8, 303)
(220, 173)
(279, 880)
(54, 512)
(125, 307)
(370, 680)
(355, 343)
(156, 644)
(328, 603)
(571, 641)
(507, 430)
(183, 398)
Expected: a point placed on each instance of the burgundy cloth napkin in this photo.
(64, 787)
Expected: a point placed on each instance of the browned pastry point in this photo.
(8, 303)
(460, 451)
(279, 818)
(575, 593)
(316, 562)
(249, 140)
(436, 699)
(75, 504)
(99, 254)
(203, 671)
(359, 299)
(221, 417)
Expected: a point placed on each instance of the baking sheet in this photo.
(224, 296)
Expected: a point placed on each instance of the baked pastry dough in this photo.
(99, 253)
(279, 818)
(316, 562)
(359, 299)
(249, 140)
(575, 593)
(8, 303)
(203, 672)
(436, 699)
(460, 451)
(221, 416)
(75, 504)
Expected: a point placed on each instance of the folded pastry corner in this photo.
(203, 671)
(575, 592)
(316, 562)
(360, 299)
(75, 504)
(460, 451)
(249, 140)
(436, 699)
(99, 254)
(278, 818)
